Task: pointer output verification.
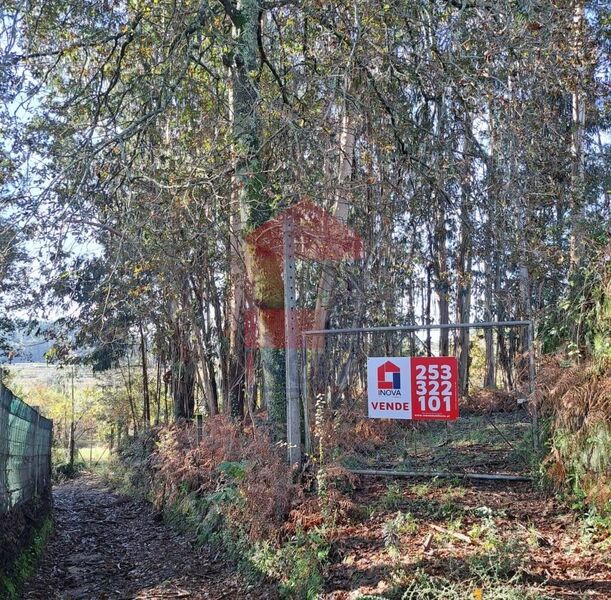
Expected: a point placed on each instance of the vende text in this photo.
(390, 405)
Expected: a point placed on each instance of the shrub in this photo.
(244, 474)
(234, 489)
(576, 402)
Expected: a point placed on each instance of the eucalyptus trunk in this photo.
(578, 125)
(247, 205)
(463, 302)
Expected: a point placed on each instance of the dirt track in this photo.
(109, 546)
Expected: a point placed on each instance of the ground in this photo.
(107, 546)
(461, 539)
(393, 538)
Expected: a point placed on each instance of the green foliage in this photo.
(10, 583)
(233, 470)
(486, 530)
(581, 320)
(429, 587)
(298, 564)
(596, 528)
(422, 490)
(393, 497)
(394, 529)
(68, 471)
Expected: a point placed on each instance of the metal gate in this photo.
(494, 435)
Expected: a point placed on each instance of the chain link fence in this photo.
(493, 436)
(25, 452)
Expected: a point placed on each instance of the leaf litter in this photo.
(106, 546)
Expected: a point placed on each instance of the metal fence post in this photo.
(531, 385)
(35, 451)
(304, 394)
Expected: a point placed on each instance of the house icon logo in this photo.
(389, 376)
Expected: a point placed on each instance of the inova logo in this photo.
(389, 379)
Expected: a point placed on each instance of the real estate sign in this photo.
(418, 388)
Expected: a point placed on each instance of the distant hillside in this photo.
(30, 375)
(30, 347)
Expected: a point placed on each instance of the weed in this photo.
(422, 490)
(297, 564)
(454, 493)
(67, 470)
(428, 587)
(596, 529)
(433, 509)
(504, 562)
(533, 537)
(393, 498)
(10, 583)
(394, 529)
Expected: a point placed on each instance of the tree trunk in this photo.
(347, 140)
(442, 278)
(158, 392)
(439, 250)
(463, 301)
(146, 401)
(492, 260)
(247, 205)
(183, 374)
(130, 395)
(268, 297)
(427, 308)
(326, 283)
(490, 362)
(578, 106)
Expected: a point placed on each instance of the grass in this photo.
(94, 456)
(499, 442)
(393, 497)
(493, 575)
(11, 582)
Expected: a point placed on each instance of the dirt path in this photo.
(109, 546)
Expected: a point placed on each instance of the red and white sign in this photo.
(419, 388)
(388, 384)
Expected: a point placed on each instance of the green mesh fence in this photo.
(25, 451)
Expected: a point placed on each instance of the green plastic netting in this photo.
(25, 451)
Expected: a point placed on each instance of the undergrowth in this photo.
(576, 404)
(234, 491)
(23, 567)
(495, 574)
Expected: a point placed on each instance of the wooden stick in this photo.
(427, 542)
(455, 534)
